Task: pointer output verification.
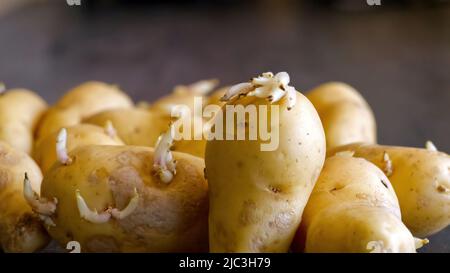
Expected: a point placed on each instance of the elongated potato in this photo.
(421, 179)
(81, 102)
(20, 111)
(20, 228)
(353, 208)
(111, 199)
(345, 115)
(79, 135)
(257, 197)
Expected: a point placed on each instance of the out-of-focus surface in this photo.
(398, 57)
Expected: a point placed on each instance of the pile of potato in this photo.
(97, 169)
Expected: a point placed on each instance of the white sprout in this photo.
(39, 205)
(48, 221)
(199, 88)
(388, 168)
(109, 129)
(420, 242)
(240, 88)
(89, 215)
(61, 147)
(164, 164)
(273, 88)
(430, 146)
(2, 88)
(132, 205)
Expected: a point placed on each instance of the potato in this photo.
(142, 127)
(112, 199)
(353, 208)
(134, 126)
(257, 197)
(20, 111)
(421, 180)
(345, 115)
(81, 102)
(184, 95)
(78, 135)
(20, 228)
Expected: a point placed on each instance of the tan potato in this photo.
(81, 102)
(421, 180)
(184, 95)
(20, 111)
(134, 126)
(353, 208)
(257, 197)
(20, 228)
(78, 135)
(345, 115)
(111, 199)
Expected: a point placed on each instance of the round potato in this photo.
(79, 135)
(257, 194)
(345, 115)
(353, 208)
(81, 102)
(20, 111)
(20, 228)
(421, 180)
(111, 200)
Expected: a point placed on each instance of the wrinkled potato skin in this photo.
(345, 115)
(78, 135)
(352, 204)
(20, 111)
(81, 102)
(257, 198)
(169, 218)
(20, 228)
(421, 179)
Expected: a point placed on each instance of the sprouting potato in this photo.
(20, 111)
(45, 152)
(353, 208)
(257, 197)
(421, 179)
(81, 102)
(20, 229)
(128, 199)
(134, 126)
(345, 115)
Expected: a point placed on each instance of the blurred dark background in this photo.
(396, 54)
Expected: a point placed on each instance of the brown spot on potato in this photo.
(274, 189)
(442, 189)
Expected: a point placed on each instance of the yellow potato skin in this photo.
(421, 180)
(78, 135)
(134, 126)
(351, 205)
(345, 115)
(257, 198)
(20, 228)
(169, 217)
(81, 102)
(20, 111)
